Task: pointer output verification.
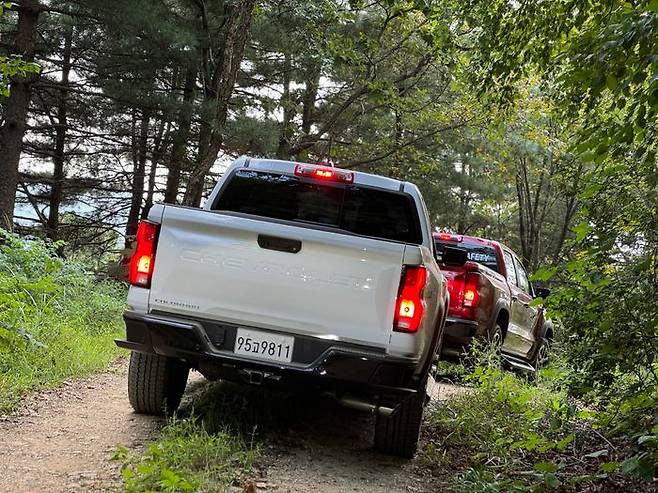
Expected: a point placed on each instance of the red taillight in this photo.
(410, 306)
(449, 237)
(324, 173)
(143, 260)
(470, 297)
(464, 295)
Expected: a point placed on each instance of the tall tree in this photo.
(181, 138)
(222, 56)
(60, 123)
(16, 109)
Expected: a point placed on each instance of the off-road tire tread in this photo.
(155, 383)
(535, 361)
(496, 328)
(398, 434)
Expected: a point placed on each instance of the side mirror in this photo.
(454, 256)
(542, 293)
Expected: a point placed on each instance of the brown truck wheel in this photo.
(495, 336)
(542, 355)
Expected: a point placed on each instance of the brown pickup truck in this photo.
(490, 298)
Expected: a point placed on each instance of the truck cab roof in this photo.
(288, 167)
(471, 240)
(331, 175)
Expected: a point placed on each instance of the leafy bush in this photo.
(56, 320)
(503, 422)
(612, 279)
(508, 434)
(186, 457)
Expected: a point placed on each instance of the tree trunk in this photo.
(522, 220)
(179, 146)
(308, 102)
(16, 109)
(139, 172)
(571, 207)
(283, 151)
(308, 106)
(205, 134)
(59, 157)
(159, 146)
(224, 76)
(464, 199)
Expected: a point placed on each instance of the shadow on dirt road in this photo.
(62, 439)
(310, 443)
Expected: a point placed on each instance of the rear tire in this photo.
(542, 355)
(156, 383)
(495, 336)
(398, 434)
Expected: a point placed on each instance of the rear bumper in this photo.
(458, 335)
(208, 346)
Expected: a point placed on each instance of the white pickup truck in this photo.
(292, 274)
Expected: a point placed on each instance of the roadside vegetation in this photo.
(56, 319)
(211, 444)
(594, 63)
(510, 432)
(188, 457)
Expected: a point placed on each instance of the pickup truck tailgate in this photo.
(336, 286)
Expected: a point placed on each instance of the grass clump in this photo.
(56, 319)
(187, 457)
(501, 426)
(507, 433)
(213, 442)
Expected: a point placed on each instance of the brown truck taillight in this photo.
(470, 296)
(464, 294)
(410, 306)
(143, 260)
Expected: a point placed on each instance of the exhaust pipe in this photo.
(368, 407)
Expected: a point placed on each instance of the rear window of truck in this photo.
(353, 209)
(483, 255)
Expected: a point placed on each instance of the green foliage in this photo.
(13, 66)
(611, 277)
(644, 462)
(56, 320)
(503, 413)
(507, 434)
(596, 61)
(187, 458)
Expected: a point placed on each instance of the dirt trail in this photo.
(329, 450)
(63, 440)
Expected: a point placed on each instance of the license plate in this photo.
(264, 345)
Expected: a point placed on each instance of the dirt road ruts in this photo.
(62, 440)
